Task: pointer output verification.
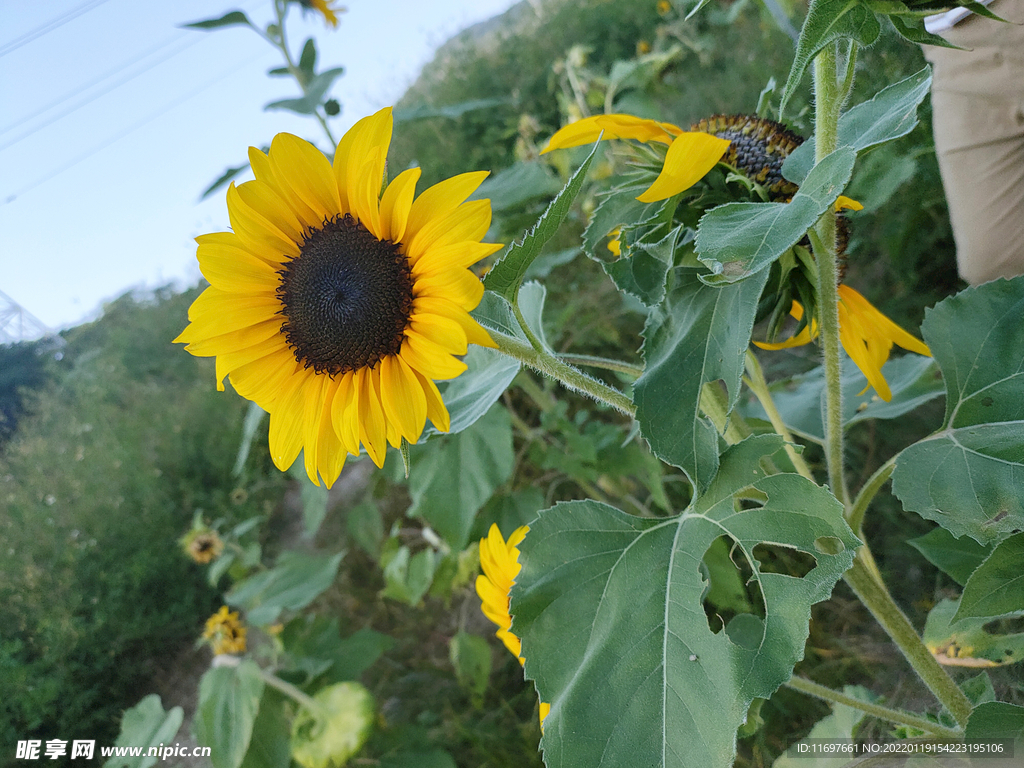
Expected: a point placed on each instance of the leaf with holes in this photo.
(968, 476)
(985, 642)
(609, 607)
(699, 334)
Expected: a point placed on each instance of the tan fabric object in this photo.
(978, 107)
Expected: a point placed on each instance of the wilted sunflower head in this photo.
(335, 307)
(204, 547)
(326, 8)
(225, 632)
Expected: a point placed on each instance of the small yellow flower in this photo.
(325, 9)
(615, 242)
(500, 562)
(642, 47)
(664, 7)
(865, 333)
(691, 154)
(205, 547)
(225, 632)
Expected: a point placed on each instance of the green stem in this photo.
(274, 681)
(573, 378)
(864, 581)
(535, 342)
(882, 713)
(855, 517)
(827, 103)
(606, 363)
(759, 386)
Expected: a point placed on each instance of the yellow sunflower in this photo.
(500, 562)
(865, 333)
(691, 154)
(325, 9)
(203, 546)
(335, 308)
(225, 632)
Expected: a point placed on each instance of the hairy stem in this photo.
(882, 713)
(855, 516)
(759, 386)
(864, 581)
(571, 377)
(619, 366)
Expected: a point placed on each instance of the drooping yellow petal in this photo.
(851, 336)
(844, 203)
(286, 421)
(353, 149)
(345, 410)
(372, 425)
(440, 200)
(437, 412)
(587, 131)
(316, 391)
(396, 203)
(405, 404)
(866, 309)
(330, 451)
(690, 156)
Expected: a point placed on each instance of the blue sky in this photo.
(113, 120)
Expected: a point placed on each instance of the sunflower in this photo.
(225, 632)
(204, 546)
(336, 308)
(691, 154)
(500, 562)
(865, 333)
(323, 7)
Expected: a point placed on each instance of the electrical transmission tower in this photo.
(18, 324)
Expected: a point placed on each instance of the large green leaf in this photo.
(454, 476)
(971, 642)
(293, 583)
(619, 207)
(229, 699)
(407, 577)
(997, 586)
(336, 730)
(642, 273)
(270, 746)
(698, 335)
(509, 271)
(913, 380)
(827, 21)
(996, 720)
(737, 240)
(145, 725)
(614, 630)
(958, 558)
(968, 476)
(892, 113)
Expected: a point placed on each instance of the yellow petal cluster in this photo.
(326, 9)
(240, 318)
(865, 333)
(225, 632)
(499, 560)
(691, 154)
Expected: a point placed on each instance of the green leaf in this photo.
(617, 208)
(253, 418)
(890, 114)
(231, 19)
(315, 93)
(454, 476)
(518, 184)
(827, 21)
(995, 720)
(270, 746)
(145, 725)
(509, 511)
(229, 699)
(615, 634)
(451, 112)
(979, 689)
(365, 526)
(913, 380)
(997, 586)
(435, 758)
(958, 558)
(913, 30)
(737, 240)
(222, 181)
(970, 642)
(307, 61)
(314, 647)
(841, 726)
(314, 499)
(471, 657)
(337, 730)
(509, 271)
(642, 273)
(699, 335)
(294, 582)
(727, 591)
(967, 476)
(407, 577)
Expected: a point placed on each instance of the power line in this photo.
(102, 92)
(117, 137)
(108, 74)
(49, 26)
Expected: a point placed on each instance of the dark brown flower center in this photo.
(346, 298)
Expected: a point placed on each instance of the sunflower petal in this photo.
(405, 404)
(259, 236)
(346, 403)
(330, 452)
(206, 346)
(587, 131)
(396, 203)
(459, 285)
(286, 422)
(429, 358)
(690, 156)
(467, 223)
(364, 191)
(454, 256)
(475, 333)
(262, 380)
(235, 270)
(851, 336)
(239, 356)
(441, 330)
(440, 200)
(216, 312)
(316, 390)
(437, 411)
(372, 426)
(355, 146)
(268, 203)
